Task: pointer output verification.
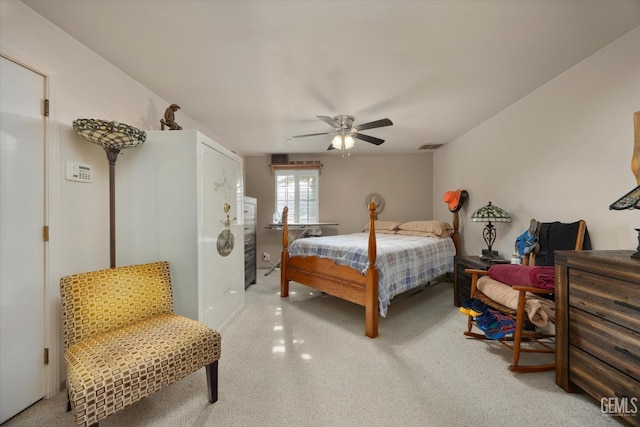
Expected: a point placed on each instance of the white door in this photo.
(22, 204)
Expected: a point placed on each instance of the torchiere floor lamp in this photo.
(113, 137)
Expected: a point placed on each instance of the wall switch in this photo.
(266, 256)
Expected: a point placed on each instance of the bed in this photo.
(363, 271)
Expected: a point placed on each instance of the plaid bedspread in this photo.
(403, 262)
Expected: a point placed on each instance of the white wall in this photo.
(82, 85)
(561, 153)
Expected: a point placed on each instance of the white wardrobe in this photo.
(179, 197)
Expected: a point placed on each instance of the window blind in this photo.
(298, 190)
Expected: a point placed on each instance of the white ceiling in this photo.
(254, 73)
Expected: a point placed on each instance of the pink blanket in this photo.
(524, 275)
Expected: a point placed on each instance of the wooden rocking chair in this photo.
(557, 236)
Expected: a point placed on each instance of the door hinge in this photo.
(46, 356)
(45, 233)
(46, 108)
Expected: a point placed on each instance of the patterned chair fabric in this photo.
(123, 341)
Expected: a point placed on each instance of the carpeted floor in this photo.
(305, 361)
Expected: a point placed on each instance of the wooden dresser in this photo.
(598, 328)
(250, 264)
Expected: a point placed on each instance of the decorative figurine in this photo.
(170, 118)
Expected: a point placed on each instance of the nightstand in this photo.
(462, 280)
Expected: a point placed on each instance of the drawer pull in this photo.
(627, 353)
(627, 305)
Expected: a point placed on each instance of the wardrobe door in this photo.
(222, 236)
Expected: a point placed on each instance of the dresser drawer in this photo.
(613, 344)
(249, 276)
(249, 257)
(249, 211)
(249, 240)
(601, 380)
(615, 300)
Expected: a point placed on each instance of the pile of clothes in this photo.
(494, 324)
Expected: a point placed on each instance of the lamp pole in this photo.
(112, 156)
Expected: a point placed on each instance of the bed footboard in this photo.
(338, 280)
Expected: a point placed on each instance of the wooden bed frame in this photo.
(340, 280)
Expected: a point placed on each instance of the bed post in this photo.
(456, 234)
(371, 292)
(284, 282)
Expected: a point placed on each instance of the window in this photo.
(298, 190)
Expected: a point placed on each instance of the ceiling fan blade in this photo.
(312, 134)
(371, 139)
(377, 124)
(331, 147)
(328, 120)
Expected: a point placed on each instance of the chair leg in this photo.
(468, 332)
(212, 381)
(474, 281)
(517, 341)
(518, 332)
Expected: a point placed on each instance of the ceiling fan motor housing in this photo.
(345, 122)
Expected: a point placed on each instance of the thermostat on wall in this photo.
(78, 172)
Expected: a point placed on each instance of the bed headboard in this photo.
(372, 229)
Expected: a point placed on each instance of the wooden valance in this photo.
(297, 166)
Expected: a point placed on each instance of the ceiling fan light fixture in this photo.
(343, 142)
(349, 142)
(337, 142)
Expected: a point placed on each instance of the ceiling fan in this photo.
(345, 132)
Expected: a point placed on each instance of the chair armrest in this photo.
(476, 271)
(533, 290)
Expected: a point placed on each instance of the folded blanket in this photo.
(524, 275)
(507, 296)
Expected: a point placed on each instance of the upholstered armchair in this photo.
(123, 341)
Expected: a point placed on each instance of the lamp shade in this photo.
(109, 134)
(631, 200)
(490, 213)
